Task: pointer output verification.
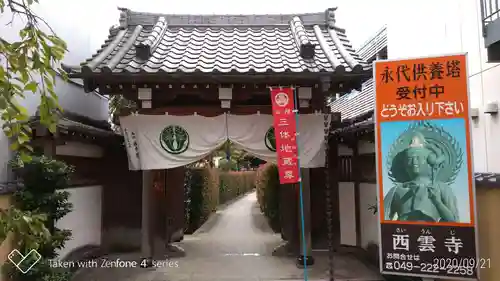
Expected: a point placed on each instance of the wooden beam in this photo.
(115, 85)
(271, 78)
(213, 111)
(168, 92)
(45, 140)
(357, 192)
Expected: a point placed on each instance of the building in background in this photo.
(490, 27)
(457, 27)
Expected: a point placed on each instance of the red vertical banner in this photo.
(285, 131)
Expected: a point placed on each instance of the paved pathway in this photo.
(234, 245)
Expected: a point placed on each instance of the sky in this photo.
(93, 18)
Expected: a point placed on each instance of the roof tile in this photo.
(357, 103)
(228, 43)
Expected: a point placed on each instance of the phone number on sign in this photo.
(431, 268)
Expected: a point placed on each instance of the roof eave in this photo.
(91, 80)
(244, 75)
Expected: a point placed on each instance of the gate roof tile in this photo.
(151, 43)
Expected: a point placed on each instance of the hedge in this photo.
(206, 188)
(233, 184)
(202, 192)
(267, 184)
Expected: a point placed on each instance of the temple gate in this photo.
(221, 66)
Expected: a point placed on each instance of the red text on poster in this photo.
(285, 130)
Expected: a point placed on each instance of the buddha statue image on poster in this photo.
(425, 178)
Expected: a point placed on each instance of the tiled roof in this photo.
(357, 103)
(374, 45)
(487, 179)
(147, 42)
(69, 121)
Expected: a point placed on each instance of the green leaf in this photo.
(14, 146)
(27, 128)
(24, 75)
(16, 45)
(3, 103)
(53, 127)
(30, 149)
(31, 86)
(23, 138)
(8, 132)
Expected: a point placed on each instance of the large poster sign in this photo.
(424, 171)
(285, 131)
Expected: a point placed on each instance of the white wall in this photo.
(369, 221)
(73, 27)
(347, 214)
(85, 219)
(368, 197)
(453, 26)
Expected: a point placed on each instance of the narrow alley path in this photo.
(236, 244)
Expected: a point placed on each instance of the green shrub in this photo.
(41, 192)
(206, 188)
(268, 188)
(202, 189)
(210, 192)
(233, 184)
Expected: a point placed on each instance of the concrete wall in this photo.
(85, 220)
(488, 209)
(369, 220)
(347, 214)
(489, 246)
(455, 27)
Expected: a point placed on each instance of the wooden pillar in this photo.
(160, 202)
(174, 211)
(356, 173)
(333, 170)
(46, 141)
(147, 242)
(49, 146)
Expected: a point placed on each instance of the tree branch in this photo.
(23, 8)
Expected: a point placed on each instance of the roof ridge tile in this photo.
(129, 17)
